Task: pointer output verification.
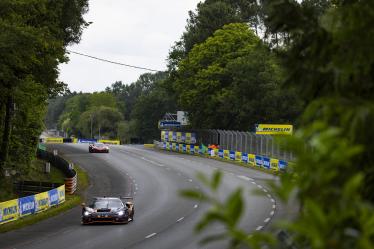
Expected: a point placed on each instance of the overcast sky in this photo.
(135, 32)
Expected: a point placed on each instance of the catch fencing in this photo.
(247, 142)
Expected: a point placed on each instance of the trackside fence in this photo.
(245, 142)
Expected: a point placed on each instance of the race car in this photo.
(98, 147)
(109, 210)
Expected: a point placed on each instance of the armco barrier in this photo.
(250, 159)
(19, 208)
(64, 166)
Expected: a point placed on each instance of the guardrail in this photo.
(260, 161)
(66, 167)
(18, 208)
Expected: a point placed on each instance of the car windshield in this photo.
(107, 203)
(100, 145)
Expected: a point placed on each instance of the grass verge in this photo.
(70, 202)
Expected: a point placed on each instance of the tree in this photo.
(33, 36)
(232, 81)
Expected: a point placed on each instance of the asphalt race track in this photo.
(162, 219)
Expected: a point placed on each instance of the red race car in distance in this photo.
(98, 148)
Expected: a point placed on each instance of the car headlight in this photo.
(86, 213)
(120, 213)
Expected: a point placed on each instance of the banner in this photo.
(174, 136)
(252, 159)
(26, 205)
(188, 148)
(56, 140)
(9, 211)
(193, 138)
(53, 197)
(117, 142)
(170, 136)
(167, 146)
(245, 157)
(184, 148)
(188, 138)
(61, 194)
(183, 138)
(266, 162)
(238, 156)
(41, 201)
(226, 154)
(220, 153)
(232, 155)
(196, 149)
(162, 136)
(259, 161)
(274, 129)
(166, 136)
(274, 164)
(179, 137)
(173, 146)
(192, 149)
(86, 140)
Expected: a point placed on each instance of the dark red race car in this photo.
(98, 147)
(109, 210)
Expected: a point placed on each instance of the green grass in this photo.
(70, 202)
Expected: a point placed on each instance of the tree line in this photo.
(34, 35)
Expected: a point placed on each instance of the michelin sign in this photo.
(274, 129)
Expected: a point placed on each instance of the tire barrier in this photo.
(18, 208)
(71, 184)
(66, 167)
(259, 161)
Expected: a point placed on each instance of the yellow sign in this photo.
(188, 148)
(180, 147)
(174, 146)
(252, 159)
(56, 140)
(179, 137)
(188, 138)
(41, 201)
(9, 211)
(61, 193)
(117, 142)
(274, 164)
(75, 140)
(167, 145)
(238, 156)
(162, 135)
(274, 129)
(226, 154)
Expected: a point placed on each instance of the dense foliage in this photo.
(33, 37)
(329, 60)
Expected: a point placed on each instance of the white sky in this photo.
(135, 32)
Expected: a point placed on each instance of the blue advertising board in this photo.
(53, 197)
(192, 149)
(164, 145)
(177, 147)
(220, 153)
(86, 140)
(266, 162)
(282, 165)
(245, 157)
(258, 161)
(232, 155)
(183, 137)
(166, 136)
(26, 205)
(184, 148)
